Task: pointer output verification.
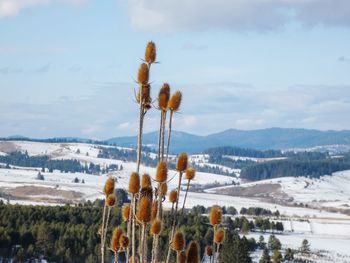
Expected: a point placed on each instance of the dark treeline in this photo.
(70, 233)
(313, 165)
(243, 152)
(44, 162)
(56, 140)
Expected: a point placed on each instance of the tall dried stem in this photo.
(102, 233)
(169, 134)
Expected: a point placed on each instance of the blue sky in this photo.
(67, 66)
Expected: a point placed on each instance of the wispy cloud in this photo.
(163, 15)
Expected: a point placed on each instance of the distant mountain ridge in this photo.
(262, 139)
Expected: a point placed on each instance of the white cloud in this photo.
(13, 7)
(188, 15)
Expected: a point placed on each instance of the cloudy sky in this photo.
(67, 67)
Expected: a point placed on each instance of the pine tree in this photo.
(262, 243)
(277, 256)
(274, 243)
(305, 248)
(289, 254)
(265, 258)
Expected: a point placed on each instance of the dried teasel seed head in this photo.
(111, 199)
(181, 164)
(192, 253)
(126, 212)
(178, 242)
(131, 260)
(175, 101)
(156, 227)
(173, 196)
(143, 74)
(154, 210)
(150, 53)
(117, 233)
(163, 189)
(123, 242)
(190, 173)
(134, 183)
(146, 181)
(219, 236)
(215, 215)
(162, 172)
(146, 95)
(163, 97)
(209, 251)
(109, 186)
(144, 209)
(181, 257)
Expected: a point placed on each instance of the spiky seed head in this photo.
(156, 227)
(143, 74)
(146, 94)
(134, 183)
(163, 97)
(145, 209)
(173, 196)
(131, 260)
(162, 172)
(181, 257)
(109, 186)
(181, 164)
(190, 173)
(154, 210)
(175, 101)
(163, 189)
(209, 251)
(219, 236)
(126, 212)
(117, 233)
(215, 215)
(150, 53)
(192, 253)
(111, 199)
(123, 241)
(178, 242)
(146, 181)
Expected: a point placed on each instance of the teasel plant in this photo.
(163, 99)
(173, 106)
(144, 217)
(189, 175)
(215, 218)
(181, 167)
(119, 242)
(109, 202)
(134, 188)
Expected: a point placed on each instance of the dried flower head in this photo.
(163, 97)
(156, 227)
(181, 164)
(123, 242)
(163, 189)
(109, 186)
(146, 181)
(192, 252)
(146, 94)
(209, 251)
(181, 257)
(126, 212)
(219, 236)
(145, 209)
(143, 74)
(178, 242)
(162, 172)
(175, 101)
(173, 196)
(215, 215)
(134, 183)
(150, 53)
(110, 201)
(154, 210)
(117, 233)
(190, 173)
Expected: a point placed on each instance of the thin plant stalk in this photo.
(127, 252)
(217, 252)
(183, 206)
(116, 254)
(213, 258)
(169, 134)
(106, 226)
(175, 215)
(133, 243)
(163, 134)
(102, 233)
(160, 135)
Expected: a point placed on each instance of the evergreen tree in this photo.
(289, 255)
(305, 248)
(277, 256)
(274, 243)
(262, 243)
(265, 258)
